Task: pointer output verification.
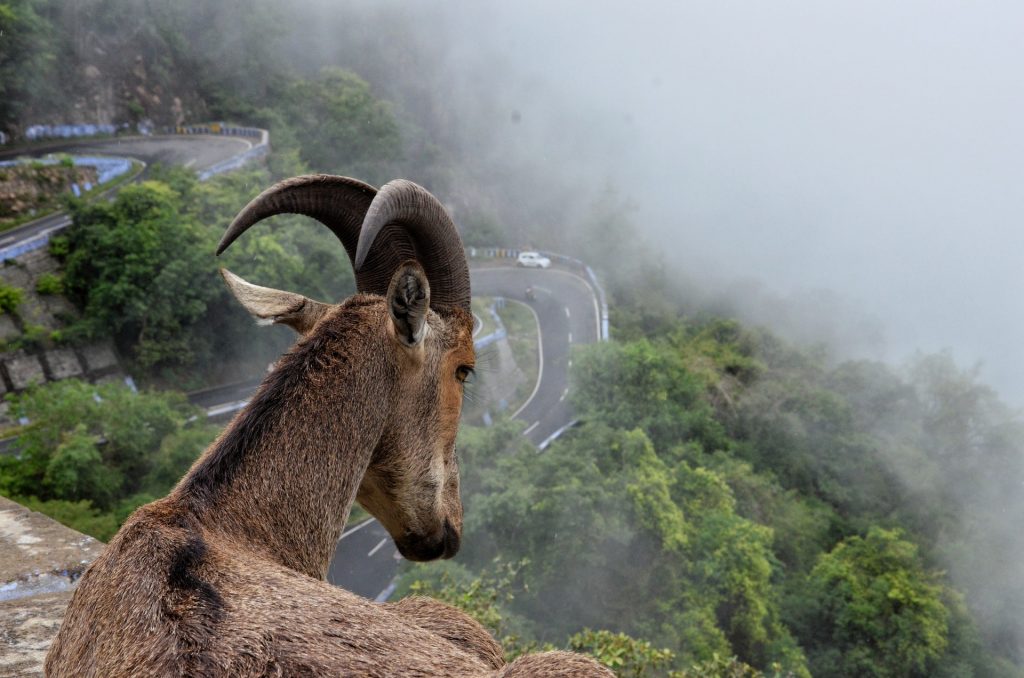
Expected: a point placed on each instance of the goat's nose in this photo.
(451, 539)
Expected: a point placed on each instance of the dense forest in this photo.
(731, 504)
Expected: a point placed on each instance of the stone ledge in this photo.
(27, 627)
(40, 562)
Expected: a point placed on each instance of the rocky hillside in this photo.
(33, 187)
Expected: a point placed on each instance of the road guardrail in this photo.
(258, 150)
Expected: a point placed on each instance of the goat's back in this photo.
(165, 598)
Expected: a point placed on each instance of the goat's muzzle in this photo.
(423, 548)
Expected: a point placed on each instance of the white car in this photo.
(533, 260)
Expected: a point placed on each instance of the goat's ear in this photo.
(408, 302)
(270, 306)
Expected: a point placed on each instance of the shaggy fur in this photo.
(225, 575)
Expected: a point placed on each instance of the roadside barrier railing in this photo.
(259, 149)
(498, 334)
(36, 132)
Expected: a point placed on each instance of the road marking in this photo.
(554, 436)
(190, 163)
(531, 427)
(377, 547)
(540, 361)
(564, 393)
(386, 593)
(567, 312)
(570, 337)
(356, 528)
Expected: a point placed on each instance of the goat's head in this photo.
(404, 248)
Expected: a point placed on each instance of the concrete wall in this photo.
(40, 563)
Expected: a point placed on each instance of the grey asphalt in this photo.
(564, 304)
(366, 560)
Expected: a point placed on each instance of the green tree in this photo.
(26, 57)
(143, 273)
(646, 385)
(655, 548)
(341, 126)
(877, 610)
(92, 453)
(628, 657)
(92, 442)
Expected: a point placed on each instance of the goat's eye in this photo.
(464, 373)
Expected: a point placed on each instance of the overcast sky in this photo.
(872, 149)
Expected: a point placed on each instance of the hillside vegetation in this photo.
(731, 504)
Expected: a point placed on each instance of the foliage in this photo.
(26, 57)
(341, 127)
(676, 564)
(877, 612)
(10, 298)
(50, 283)
(120, 272)
(626, 656)
(645, 385)
(78, 515)
(484, 597)
(142, 270)
(733, 499)
(99, 450)
(722, 667)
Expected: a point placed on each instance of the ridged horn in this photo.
(406, 222)
(339, 203)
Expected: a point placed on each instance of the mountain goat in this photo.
(225, 575)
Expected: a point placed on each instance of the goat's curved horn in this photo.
(339, 203)
(418, 227)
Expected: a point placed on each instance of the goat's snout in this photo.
(421, 548)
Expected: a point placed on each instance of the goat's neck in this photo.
(282, 478)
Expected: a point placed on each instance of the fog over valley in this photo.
(849, 172)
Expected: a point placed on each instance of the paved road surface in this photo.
(565, 308)
(365, 561)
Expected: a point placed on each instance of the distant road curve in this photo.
(568, 313)
(198, 152)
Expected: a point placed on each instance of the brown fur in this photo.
(225, 575)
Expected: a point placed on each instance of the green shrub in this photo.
(10, 298)
(59, 246)
(50, 283)
(34, 336)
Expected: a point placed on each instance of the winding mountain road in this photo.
(567, 312)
